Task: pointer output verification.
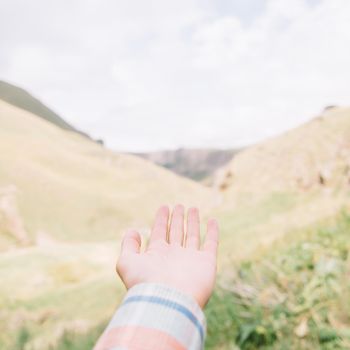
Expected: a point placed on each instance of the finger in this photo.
(131, 243)
(193, 229)
(160, 226)
(212, 238)
(176, 232)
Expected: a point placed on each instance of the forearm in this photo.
(154, 316)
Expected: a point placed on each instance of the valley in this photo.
(65, 201)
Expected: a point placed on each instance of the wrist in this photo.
(169, 287)
(170, 301)
(167, 290)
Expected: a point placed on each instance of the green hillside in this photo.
(22, 99)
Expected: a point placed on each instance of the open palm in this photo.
(173, 257)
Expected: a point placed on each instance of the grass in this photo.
(250, 214)
(68, 341)
(43, 322)
(255, 223)
(293, 296)
(43, 289)
(74, 341)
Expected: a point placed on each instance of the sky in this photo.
(161, 74)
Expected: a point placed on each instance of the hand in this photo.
(173, 259)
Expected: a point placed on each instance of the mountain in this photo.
(24, 100)
(196, 164)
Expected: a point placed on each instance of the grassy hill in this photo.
(285, 183)
(64, 202)
(24, 100)
(314, 155)
(71, 189)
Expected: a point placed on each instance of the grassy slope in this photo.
(278, 295)
(296, 160)
(74, 198)
(293, 295)
(72, 189)
(48, 290)
(274, 187)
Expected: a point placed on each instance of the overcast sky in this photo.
(145, 75)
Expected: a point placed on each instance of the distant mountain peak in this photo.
(196, 164)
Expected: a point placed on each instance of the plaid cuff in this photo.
(154, 316)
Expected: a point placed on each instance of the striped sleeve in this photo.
(154, 316)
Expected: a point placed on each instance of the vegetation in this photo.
(74, 341)
(69, 340)
(295, 295)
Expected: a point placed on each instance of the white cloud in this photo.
(164, 74)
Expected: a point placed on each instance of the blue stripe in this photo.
(171, 305)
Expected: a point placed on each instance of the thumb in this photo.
(131, 242)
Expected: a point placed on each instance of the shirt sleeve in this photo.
(154, 316)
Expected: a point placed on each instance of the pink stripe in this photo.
(137, 338)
